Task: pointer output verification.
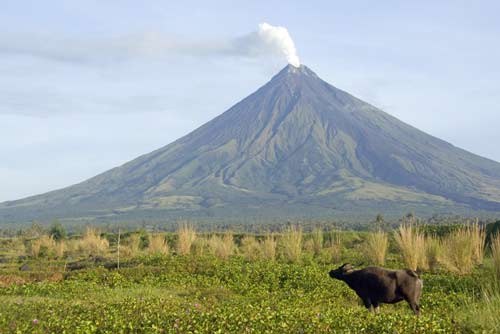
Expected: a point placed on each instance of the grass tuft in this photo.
(187, 236)
(478, 239)
(457, 252)
(432, 251)
(250, 248)
(222, 246)
(158, 245)
(291, 244)
(92, 243)
(332, 251)
(376, 247)
(268, 247)
(462, 249)
(44, 246)
(411, 244)
(317, 241)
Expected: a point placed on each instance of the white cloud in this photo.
(266, 41)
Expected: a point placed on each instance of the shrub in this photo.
(495, 253)
(492, 229)
(438, 230)
(186, 236)
(291, 244)
(411, 243)
(376, 247)
(57, 231)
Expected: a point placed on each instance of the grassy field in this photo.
(223, 283)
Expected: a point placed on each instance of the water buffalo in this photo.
(376, 285)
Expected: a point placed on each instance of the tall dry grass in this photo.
(411, 243)
(376, 247)
(72, 246)
(457, 252)
(158, 245)
(462, 249)
(131, 248)
(134, 244)
(222, 246)
(317, 241)
(268, 247)
(186, 237)
(432, 251)
(92, 243)
(60, 248)
(45, 245)
(291, 244)
(199, 246)
(250, 248)
(18, 247)
(333, 248)
(481, 314)
(478, 239)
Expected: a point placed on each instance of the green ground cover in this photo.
(205, 294)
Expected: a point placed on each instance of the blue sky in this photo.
(88, 85)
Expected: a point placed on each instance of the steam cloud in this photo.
(267, 41)
(280, 39)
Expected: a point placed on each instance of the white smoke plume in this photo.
(278, 38)
(267, 41)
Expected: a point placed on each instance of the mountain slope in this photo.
(297, 142)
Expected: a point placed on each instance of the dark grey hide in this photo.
(376, 285)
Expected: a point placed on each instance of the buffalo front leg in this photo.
(368, 303)
(414, 307)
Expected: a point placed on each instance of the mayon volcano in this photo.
(297, 147)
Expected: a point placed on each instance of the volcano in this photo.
(297, 147)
